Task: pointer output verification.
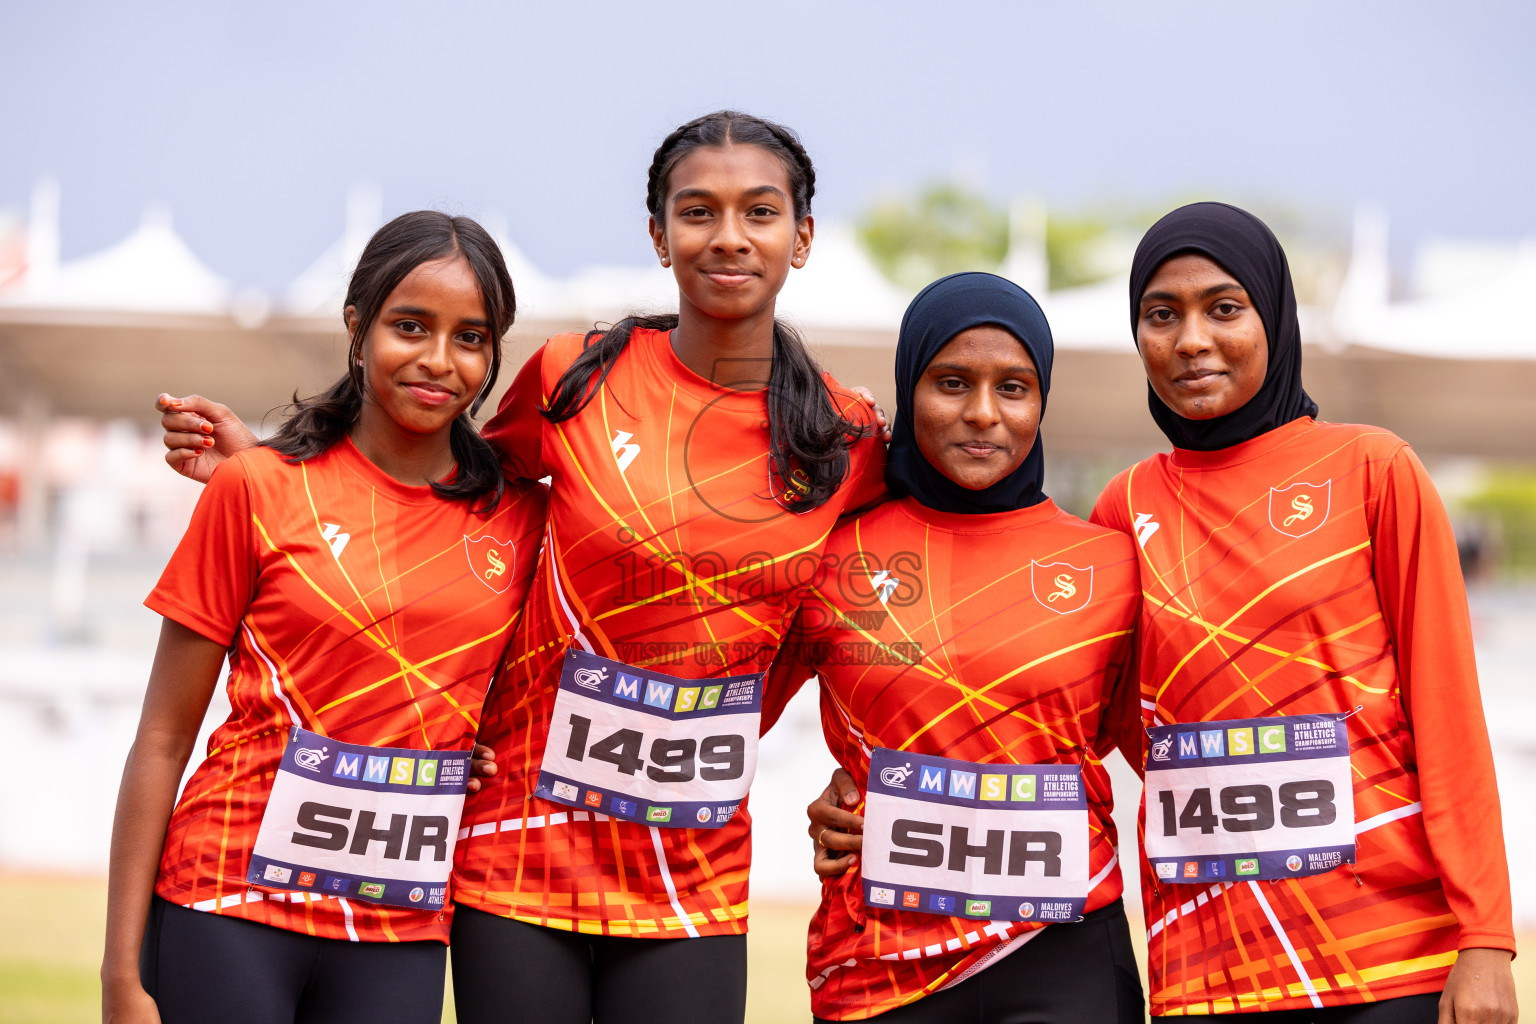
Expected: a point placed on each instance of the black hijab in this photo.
(1249, 251)
(942, 310)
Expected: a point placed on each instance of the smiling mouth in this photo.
(1198, 380)
(729, 278)
(430, 394)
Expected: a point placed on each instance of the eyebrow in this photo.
(1215, 289)
(1021, 371)
(427, 314)
(704, 193)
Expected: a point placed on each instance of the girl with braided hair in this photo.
(698, 462)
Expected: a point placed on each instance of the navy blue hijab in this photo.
(1245, 248)
(942, 310)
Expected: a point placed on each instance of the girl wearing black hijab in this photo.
(1321, 833)
(969, 637)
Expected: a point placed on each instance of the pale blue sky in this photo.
(251, 119)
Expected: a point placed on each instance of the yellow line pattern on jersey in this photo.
(691, 579)
(406, 664)
(1255, 600)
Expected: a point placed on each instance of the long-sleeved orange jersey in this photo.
(665, 550)
(984, 638)
(356, 607)
(1312, 571)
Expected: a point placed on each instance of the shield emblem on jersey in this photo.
(1299, 509)
(1060, 586)
(491, 561)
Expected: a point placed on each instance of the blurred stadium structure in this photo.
(88, 511)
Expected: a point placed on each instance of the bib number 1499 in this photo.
(711, 758)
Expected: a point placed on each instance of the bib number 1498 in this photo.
(1249, 799)
(1251, 808)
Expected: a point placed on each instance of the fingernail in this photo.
(207, 442)
(207, 428)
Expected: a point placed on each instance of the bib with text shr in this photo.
(1003, 842)
(372, 823)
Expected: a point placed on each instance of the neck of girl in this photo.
(411, 458)
(735, 353)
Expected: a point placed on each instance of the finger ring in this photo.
(819, 836)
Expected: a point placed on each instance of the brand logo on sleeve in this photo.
(623, 452)
(1145, 526)
(1299, 509)
(1060, 586)
(884, 584)
(491, 561)
(332, 535)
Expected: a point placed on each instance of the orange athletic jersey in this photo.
(977, 653)
(1312, 570)
(665, 549)
(354, 606)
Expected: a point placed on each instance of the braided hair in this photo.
(808, 438)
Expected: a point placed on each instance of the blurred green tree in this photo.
(1507, 503)
(944, 229)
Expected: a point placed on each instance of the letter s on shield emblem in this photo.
(1061, 587)
(491, 561)
(1299, 509)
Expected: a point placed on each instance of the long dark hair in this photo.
(395, 250)
(808, 439)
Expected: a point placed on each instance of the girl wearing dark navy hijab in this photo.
(970, 639)
(1331, 850)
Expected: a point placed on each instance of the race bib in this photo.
(371, 823)
(1249, 798)
(1000, 842)
(651, 748)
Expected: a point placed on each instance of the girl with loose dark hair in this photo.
(698, 462)
(405, 243)
(362, 572)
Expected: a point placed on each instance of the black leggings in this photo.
(1422, 1009)
(1079, 973)
(507, 972)
(202, 967)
